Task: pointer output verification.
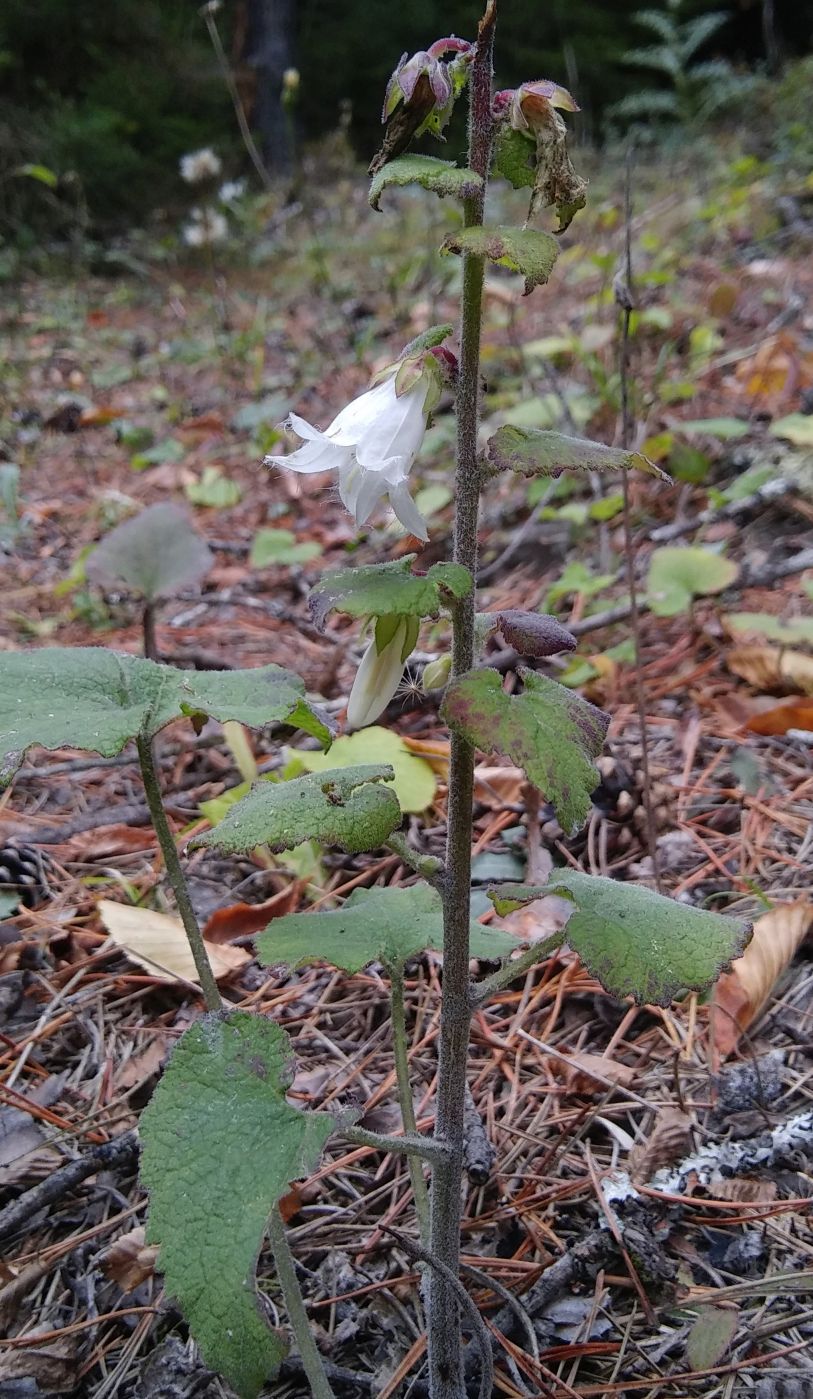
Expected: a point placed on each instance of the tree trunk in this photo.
(269, 50)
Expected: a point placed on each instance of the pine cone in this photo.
(22, 872)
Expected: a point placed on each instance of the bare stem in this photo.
(445, 1359)
(511, 971)
(172, 864)
(423, 1147)
(295, 1307)
(208, 12)
(427, 866)
(399, 1042)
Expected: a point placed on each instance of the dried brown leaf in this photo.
(129, 1261)
(772, 668)
(741, 992)
(159, 944)
(669, 1140)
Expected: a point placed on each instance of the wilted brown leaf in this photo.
(129, 1261)
(241, 920)
(584, 1073)
(669, 1140)
(772, 668)
(159, 945)
(741, 992)
(790, 714)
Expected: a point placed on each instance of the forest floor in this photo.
(121, 393)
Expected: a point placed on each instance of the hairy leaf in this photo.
(155, 554)
(221, 1146)
(634, 941)
(515, 157)
(374, 925)
(550, 732)
(414, 782)
(534, 452)
(388, 590)
(439, 176)
(345, 807)
(86, 697)
(524, 250)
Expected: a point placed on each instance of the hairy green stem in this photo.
(424, 1147)
(399, 1042)
(511, 971)
(297, 1316)
(446, 1378)
(429, 867)
(172, 864)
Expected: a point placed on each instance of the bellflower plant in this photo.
(221, 1141)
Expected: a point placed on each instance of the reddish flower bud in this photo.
(421, 94)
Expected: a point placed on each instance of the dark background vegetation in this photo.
(109, 96)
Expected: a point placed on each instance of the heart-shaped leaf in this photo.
(155, 554)
(534, 452)
(524, 250)
(389, 590)
(634, 941)
(346, 807)
(90, 698)
(676, 575)
(549, 731)
(374, 925)
(279, 546)
(439, 176)
(221, 1146)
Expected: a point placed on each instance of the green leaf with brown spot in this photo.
(389, 590)
(550, 732)
(531, 451)
(524, 250)
(636, 942)
(221, 1146)
(347, 807)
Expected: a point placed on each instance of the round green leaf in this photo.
(636, 942)
(345, 807)
(221, 1146)
(155, 554)
(439, 176)
(90, 698)
(279, 546)
(550, 732)
(373, 925)
(524, 250)
(414, 781)
(676, 575)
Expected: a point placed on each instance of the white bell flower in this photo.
(371, 444)
(381, 668)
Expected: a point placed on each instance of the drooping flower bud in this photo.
(381, 668)
(436, 674)
(531, 111)
(421, 94)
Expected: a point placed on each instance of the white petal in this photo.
(349, 426)
(314, 456)
(304, 429)
(407, 511)
(370, 491)
(377, 679)
(398, 432)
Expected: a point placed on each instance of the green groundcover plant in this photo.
(221, 1143)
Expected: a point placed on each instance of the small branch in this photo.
(429, 867)
(208, 13)
(510, 972)
(297, 1316)
(172, 864)
(436, 1152)
(399, 1042)
(120, 1152)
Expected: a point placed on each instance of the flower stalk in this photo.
(445, 1357)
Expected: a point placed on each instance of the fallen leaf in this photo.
(711, 1335)
(746, 1190)
(53, 1366)
(129, 1261)
(669, 1140)
(584, 1072)
(141, 1067)
(741, 993)
(158, 943)
(772, 668)
(790, 714)
(241, 920)
(499, 786)
(539, 919)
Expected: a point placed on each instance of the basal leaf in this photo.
(789, 633)
(155, 554)
(90, 698)
(373, 925)
(346, 807)
(388, 590)
(524, 250)
(678, 574)
(221, 1146)
(439, 176)
(547, 730)
(796, 428)
(279, 546)
(534, 452)
(414, 782)
(634, 941)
